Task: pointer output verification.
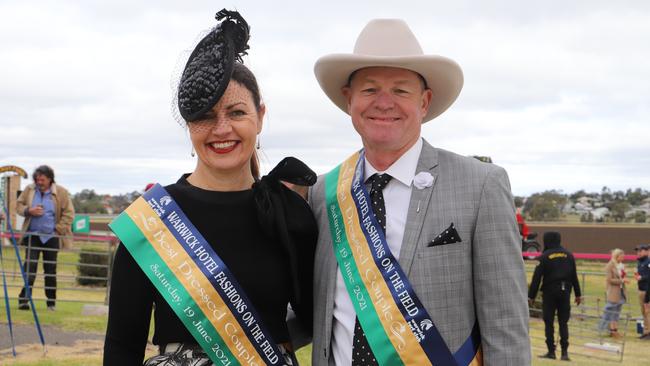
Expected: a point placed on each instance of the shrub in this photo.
(639, 216)
(587, 217)
(93, 267)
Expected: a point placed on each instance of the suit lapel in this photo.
(418, 206)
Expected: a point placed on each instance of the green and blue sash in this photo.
(397, 325)
(194, 281)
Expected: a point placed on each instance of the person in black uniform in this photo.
(557, 273)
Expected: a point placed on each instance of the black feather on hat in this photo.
(209, 67)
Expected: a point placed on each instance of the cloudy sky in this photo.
(557, 92)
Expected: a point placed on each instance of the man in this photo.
(642, 276)
(48, 213)
(458, 289)
(557, 272)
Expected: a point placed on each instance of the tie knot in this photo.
(379, 181)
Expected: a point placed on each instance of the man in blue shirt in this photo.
(48, 213)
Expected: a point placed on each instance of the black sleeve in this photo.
(537, 278)
(301, 333)
(304, 309)
(129, 312)
(305, 231)
(304, 234)
(574, 280)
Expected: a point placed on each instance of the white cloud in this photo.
(556, 92)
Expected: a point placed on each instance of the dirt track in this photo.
(580, 238)
(596, 238)
(59, 343)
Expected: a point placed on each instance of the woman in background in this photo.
(616, 294)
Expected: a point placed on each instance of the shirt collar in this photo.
(403, 169)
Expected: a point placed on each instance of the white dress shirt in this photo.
(397, 195)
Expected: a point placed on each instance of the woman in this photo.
(264, 233)
(616, 296)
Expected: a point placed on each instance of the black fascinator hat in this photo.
(207, 72)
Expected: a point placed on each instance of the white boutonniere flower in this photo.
(423, 180)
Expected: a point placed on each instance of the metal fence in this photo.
(74, 265)
(82, 271)
(589, 335)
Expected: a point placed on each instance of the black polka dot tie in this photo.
(377, 183)
(361, 353)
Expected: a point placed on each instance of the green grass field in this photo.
(68, 316)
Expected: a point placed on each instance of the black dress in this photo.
(265, 235)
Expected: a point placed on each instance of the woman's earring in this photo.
(192, 153)
(258, 143)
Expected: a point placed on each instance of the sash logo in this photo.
(157, 207)
(165, 200)
(426, 324)
(417, 330)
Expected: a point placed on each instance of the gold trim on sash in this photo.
(396, 327)
(199, 288)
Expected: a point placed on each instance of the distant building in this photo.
(584, 200)
(600, 213)
(106, 202)
(581, 208)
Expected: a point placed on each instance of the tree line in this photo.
(88, 201)
(622, 206)
(549, 205)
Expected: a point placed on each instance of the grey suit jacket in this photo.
(479, 279)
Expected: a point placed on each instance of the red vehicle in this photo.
(528, 242)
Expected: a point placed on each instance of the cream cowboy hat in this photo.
(390, 42)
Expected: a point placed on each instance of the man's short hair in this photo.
(43, 170)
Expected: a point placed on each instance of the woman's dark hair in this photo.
(245, 77)
(43, 170)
